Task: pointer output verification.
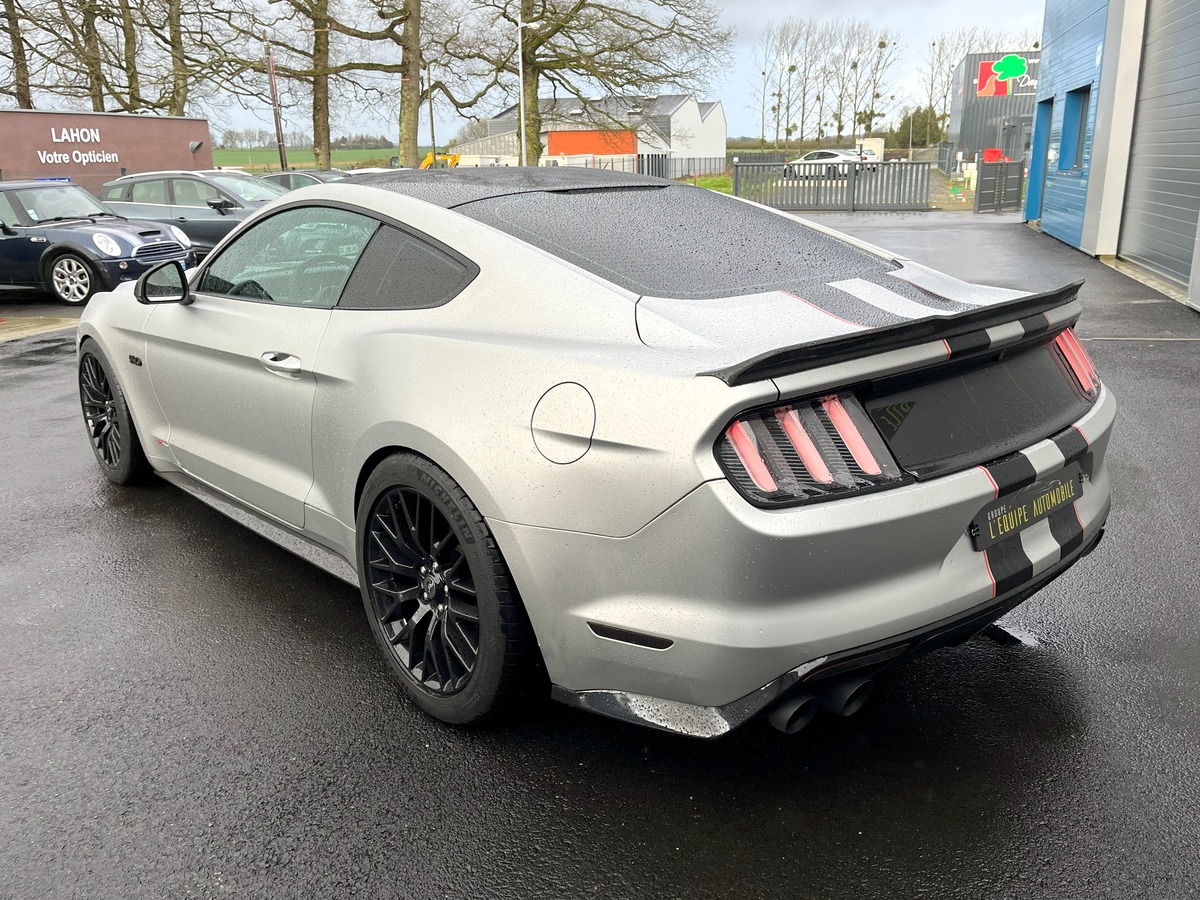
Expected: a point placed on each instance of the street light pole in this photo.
(279, 142)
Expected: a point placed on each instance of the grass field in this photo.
(262, 160)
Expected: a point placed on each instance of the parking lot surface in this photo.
(188, 711)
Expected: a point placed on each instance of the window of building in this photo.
(1074, 129)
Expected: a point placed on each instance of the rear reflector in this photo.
(1079, 361)
(808, 451)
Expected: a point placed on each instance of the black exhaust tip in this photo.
(846, 696)
(793, 713)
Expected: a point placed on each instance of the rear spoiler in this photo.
(803, 357)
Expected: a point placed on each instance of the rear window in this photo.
(676, 241)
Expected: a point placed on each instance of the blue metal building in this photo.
(1115, 161)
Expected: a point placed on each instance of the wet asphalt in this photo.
(188, 711)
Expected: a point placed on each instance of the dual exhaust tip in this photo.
(843, 697)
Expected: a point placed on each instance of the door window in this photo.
(149, 192)
(298, 257)
(193, 192)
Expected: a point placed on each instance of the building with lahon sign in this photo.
(92, 148)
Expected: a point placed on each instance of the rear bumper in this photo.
(730, 595)
(872, 660)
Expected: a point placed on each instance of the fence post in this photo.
(737, 186)
(851, 177)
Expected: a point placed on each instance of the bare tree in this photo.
(584, 47)
(21, 91)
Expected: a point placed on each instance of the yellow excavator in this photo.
(450, 159)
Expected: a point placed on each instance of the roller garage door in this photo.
(1162, 200)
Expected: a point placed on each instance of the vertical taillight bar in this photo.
(850, 436)
(740, 436)
(1078, 359)
(805, 448)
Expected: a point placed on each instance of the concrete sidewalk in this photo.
(998, 249)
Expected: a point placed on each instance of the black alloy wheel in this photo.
(106, 416)
(436, 591)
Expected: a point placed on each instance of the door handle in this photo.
(281, 363)
(181, 219)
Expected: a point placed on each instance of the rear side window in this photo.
(149, 192)
(399, 270)
(113, 192)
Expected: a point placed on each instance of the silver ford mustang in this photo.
(698, 459)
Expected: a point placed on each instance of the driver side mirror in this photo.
(221, 204)
(4, 229)
(165, 283)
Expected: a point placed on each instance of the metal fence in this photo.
(845, 186)
(999, 186)
(947, 161)
(657, 164)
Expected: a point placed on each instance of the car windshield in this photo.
(252, 190)
(678, 241)
(59, 201)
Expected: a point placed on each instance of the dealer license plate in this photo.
(1013, 513)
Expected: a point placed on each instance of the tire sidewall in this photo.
(128, 467)
(474, 701)
(91, 270)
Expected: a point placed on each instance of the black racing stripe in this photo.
(1012, 472)
(967, 343)
(1064, 525)
(1035, 324)
(1071, 443)
(1010, 566)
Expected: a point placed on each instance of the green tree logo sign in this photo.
(996, 78)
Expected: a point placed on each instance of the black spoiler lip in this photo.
(803, 357)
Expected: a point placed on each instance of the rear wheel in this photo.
(106, 416)
(437, 594)
(72, 279)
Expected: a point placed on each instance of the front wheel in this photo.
(438, 595)
(106, 415)
(72, 279)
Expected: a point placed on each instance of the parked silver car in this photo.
(608, 424)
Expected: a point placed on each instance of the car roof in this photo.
(200, 173)
(449, 188)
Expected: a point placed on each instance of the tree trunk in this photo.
(129, 39)
(20, 62)
(410, 85)
(533, 114)
(91, 57)
(320, 86)
(179, 67)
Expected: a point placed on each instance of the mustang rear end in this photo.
(883, 505)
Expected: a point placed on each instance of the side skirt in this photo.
(304, 547)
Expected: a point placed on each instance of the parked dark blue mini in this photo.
(57, 237)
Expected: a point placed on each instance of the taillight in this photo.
(801, 452)
(1079, 362)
